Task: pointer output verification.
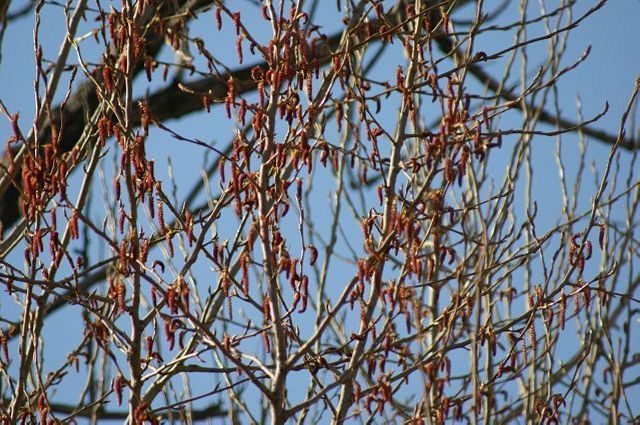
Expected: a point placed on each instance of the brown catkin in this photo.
(148, 344)
(121, 294)
(218, 18)
(170, 245)
(313, 254)
(73, 225)
(236, 22)
(117, 388)
(563, 309)
(244, 264)
(532, 335)
(239, 48)
(108, 82)
(121, 219)
(171, 300)
(116, 187)
(152, 209)
(586, 293)
(5, 348)
(161, 222)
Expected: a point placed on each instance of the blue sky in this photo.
(607, 75)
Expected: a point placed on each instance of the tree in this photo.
(360, 239)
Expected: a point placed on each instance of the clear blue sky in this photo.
(607, 76)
